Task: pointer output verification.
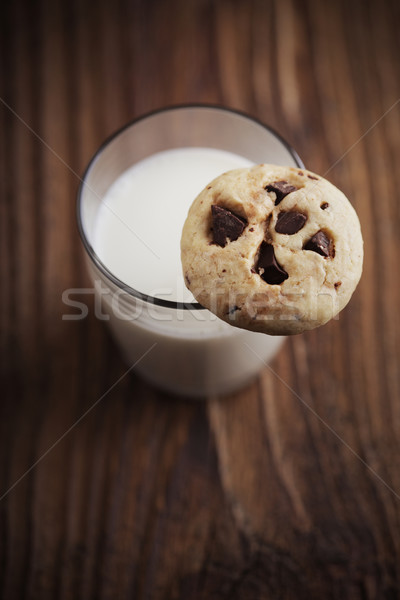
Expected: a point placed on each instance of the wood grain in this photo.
(287, 489)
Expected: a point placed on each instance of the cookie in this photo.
(272, 249)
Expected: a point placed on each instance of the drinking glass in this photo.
(179, 347)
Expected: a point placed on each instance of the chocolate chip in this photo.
(268, 267)
(321, 244)
(311, 177)
(301, 173)
(251, 229)
(226, 225)
(281, 189)
(337, 284)
(324, 205)
(290, 222)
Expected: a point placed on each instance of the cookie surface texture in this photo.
(272, 249)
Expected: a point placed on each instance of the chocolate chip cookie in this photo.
(272, 249)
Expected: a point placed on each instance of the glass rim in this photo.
(89, 248)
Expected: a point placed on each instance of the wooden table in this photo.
(287, 489)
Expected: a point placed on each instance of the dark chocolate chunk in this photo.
(324, 205)
(320, 243)
(311, 177)
(268, 267)
(337, 285)
(226, 225)
(290, 222)
(281, 189)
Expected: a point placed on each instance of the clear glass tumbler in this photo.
(179, 347)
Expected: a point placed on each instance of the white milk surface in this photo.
(138, 227)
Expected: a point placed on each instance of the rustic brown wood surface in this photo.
(287, 489)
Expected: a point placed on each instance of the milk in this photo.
(139, 223)
(136, 236)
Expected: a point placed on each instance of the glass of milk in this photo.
(132, 204)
